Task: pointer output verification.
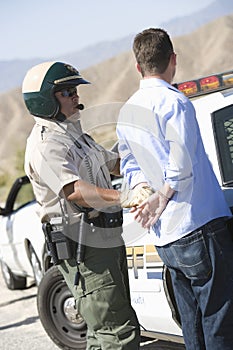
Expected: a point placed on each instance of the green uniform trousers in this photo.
(103, 298)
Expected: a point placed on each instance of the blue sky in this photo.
(47, 28)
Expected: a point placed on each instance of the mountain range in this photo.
(12, 72)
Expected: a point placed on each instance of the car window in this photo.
(24, 196)
(222, 120)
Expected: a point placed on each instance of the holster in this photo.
(60, 245)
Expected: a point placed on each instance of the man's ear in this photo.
(138, 68)
(173, 58)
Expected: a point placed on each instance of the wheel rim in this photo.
(71, 313)
(65, 318)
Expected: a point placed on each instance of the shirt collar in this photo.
(155, 82)
(71, 124)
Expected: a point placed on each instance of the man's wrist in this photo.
(164, 196)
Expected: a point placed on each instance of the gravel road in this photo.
(20, 327)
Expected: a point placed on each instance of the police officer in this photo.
(70, 174)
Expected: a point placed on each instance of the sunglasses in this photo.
(69, 92)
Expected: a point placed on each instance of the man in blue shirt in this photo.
(160, 144)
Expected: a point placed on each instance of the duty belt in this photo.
(105, 219)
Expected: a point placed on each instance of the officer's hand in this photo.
(133, 198)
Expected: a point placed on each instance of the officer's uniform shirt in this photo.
(52, 160)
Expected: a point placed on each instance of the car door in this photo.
(18, 211)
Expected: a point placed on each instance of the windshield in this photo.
(24, 196)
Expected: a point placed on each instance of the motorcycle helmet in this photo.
(40, 84)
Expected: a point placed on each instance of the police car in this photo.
(24, 256)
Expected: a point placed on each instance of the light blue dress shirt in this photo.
(160, 141)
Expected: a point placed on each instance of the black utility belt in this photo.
(106, 220)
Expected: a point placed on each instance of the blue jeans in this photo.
(201, 267)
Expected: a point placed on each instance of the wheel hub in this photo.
(70, 311)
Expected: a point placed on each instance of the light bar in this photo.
(206, 85)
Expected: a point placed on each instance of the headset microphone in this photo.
(80, 106)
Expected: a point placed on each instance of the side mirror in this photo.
(4, 211)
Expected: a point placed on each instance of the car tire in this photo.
(11, 280)
(61, 321)
(36, 265)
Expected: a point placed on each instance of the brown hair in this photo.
(152, 49)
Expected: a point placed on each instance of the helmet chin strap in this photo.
(60, 117)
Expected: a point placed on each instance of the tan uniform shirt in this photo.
(52, 160)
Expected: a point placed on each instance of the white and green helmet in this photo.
(42, 81)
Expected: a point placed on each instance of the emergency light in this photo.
(205, 85)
